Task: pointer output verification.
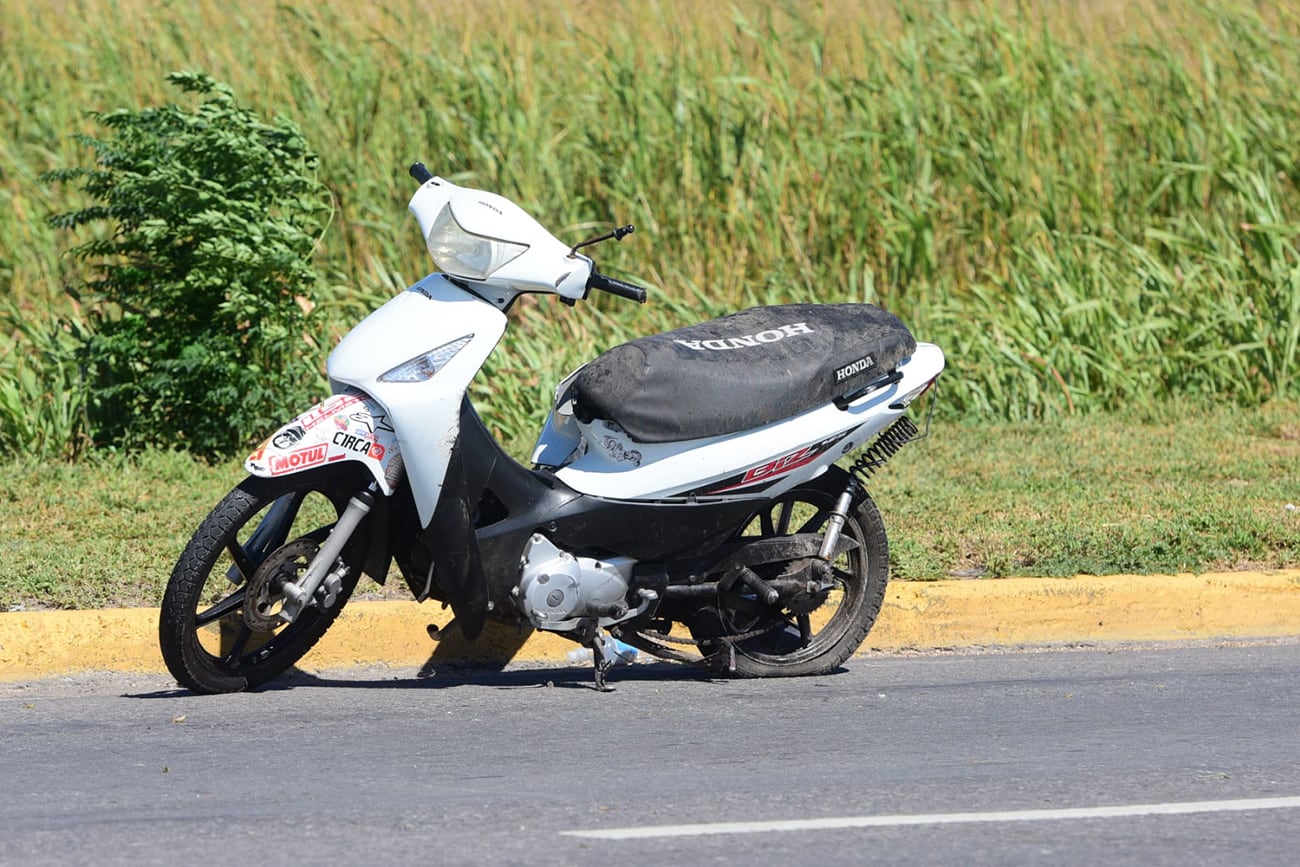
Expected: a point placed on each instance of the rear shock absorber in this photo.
(891, 439)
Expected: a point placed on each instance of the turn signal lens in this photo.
(424, 366)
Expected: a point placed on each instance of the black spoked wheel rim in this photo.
(219, 629)
(795, 634)
(812, 631)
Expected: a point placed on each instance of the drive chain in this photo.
(658, 637)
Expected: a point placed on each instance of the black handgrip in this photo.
(420, 173)
(616, 287)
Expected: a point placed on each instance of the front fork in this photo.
(323, 571)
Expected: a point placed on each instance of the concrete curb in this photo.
(944, 614)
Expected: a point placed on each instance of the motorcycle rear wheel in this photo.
(218, 631)
(814, 635)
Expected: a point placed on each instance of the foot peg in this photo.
(445, 632)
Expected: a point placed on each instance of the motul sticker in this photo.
(299, 460)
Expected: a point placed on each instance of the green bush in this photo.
(198, 307)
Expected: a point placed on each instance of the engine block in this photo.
(557, 590)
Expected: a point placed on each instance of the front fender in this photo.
(351, 426)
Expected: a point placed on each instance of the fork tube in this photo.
(296, 596)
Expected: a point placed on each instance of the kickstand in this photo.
(601, 685)
(595, 641)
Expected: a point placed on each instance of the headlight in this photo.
(463, 254)
(426, 364)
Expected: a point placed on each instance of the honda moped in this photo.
(683, 497)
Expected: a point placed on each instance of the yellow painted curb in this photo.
(1016, 611)
(1012, 611)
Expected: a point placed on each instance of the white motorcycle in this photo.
(686, 478)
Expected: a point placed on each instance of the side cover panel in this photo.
(491, 506)
(609, 463)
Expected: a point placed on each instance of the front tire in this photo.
(218, 631)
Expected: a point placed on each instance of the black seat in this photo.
(741, 371)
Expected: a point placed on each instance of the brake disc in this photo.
(264, 595)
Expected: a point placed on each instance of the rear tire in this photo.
(814, 635)
(208, 641)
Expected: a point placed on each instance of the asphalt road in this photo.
(997, 758)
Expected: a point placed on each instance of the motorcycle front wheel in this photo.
(219, 631)
(811, 633)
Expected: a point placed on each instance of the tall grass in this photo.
(42, 399)
(1090, 205)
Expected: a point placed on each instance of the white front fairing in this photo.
(601, 460)
(425, 415)
(536, 260)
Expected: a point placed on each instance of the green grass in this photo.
(1094, 207)
(1091, 206)
(1099, 496)
(104, 532)
(1092, 495)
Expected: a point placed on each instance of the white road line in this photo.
(1116, 812)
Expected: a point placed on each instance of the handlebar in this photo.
(616, 287)
(420, 173)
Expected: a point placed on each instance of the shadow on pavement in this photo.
(449, 675)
